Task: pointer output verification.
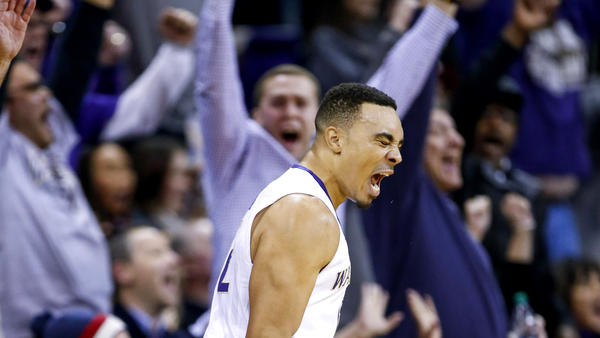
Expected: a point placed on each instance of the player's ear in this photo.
(334, 138)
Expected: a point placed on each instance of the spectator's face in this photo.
(113, 179)
(287, 110)
(443, 151)
(28, 103)
(152, 274)
(36, 40)
(495, 132)
(585, 303)
(370, 150)
(177, 182)
(196, 259)
(363, 10)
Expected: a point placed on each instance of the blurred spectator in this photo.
(551, 73)
(351, 43)
(162, 168)
(38, 38)
(79, 324)
(10, 43)
(108, 181)
(515, 240)
(145, 271)
(138, 18)
(580, 288)
(193, 244)
(45, 267)
(418, 239)
(108, 112)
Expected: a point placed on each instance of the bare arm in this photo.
(145, 103)
(291, 242)
(14, 17)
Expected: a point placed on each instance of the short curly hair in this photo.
(341, 105)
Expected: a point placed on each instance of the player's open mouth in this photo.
(376, 181)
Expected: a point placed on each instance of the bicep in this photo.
(279, 291)
(291, 243)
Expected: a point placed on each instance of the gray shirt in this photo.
(53, 255)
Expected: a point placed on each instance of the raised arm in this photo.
(78, 52)
(479, 86)
(293, 240)
(408, 64)
(14, 17)
(219, 95)
(142, 107)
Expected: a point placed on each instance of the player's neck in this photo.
(322, 168)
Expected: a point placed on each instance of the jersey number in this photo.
(224, 287)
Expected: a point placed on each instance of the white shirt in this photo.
(231, 307)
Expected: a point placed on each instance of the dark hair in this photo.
(573, 272)
(151, 158)
(84, 172)
(341, 105)
(119, 247)
(285, 69)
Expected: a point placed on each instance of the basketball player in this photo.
(288, 266)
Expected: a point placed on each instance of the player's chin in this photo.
(364, 203)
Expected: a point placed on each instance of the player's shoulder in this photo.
(303, 216)
(304, 207)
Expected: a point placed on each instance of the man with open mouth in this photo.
(288, 267)
(242, 154)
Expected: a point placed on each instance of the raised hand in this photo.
(178, 25)
(517, 210)
(445, 5)
(402, 14)
(425, 313)
(370, 320)
(104, 4)
(528, 15)
(14, 17)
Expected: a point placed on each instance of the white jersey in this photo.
(230, 307)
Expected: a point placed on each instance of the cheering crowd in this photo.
(135, 135)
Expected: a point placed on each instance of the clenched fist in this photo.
(178, 25)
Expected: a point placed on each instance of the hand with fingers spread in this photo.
(371, 320)
(178, 25)
(425, 313)
(14, 17)
(372, 311)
